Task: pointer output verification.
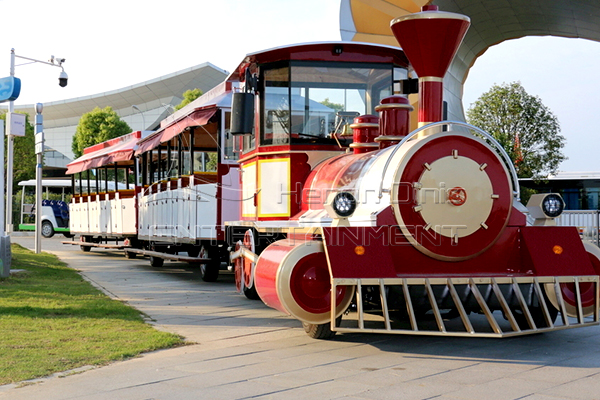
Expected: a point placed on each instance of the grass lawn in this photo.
(52, 320)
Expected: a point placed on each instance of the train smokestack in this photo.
(430, 40)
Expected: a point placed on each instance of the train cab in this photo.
(303, 98)
(293, 110)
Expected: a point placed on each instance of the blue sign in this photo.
(10, 88)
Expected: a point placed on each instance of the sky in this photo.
(110, 45)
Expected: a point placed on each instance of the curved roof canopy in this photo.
(492, 22)
(118, 150)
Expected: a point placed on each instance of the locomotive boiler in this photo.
(416, 232)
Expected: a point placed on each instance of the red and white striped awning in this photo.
(196, 118)
(112, 151)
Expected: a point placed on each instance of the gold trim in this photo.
(270, 153)
(242, 168)
(364, 125)
(259, 192)
(431, 79)
(393, 106)
(431, 15)
(364, 145)
(389, 138)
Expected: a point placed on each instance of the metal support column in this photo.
(39, 154)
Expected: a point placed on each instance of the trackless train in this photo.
(301, 171)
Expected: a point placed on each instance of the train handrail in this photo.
(494, 143)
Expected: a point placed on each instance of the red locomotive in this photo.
(390, 231)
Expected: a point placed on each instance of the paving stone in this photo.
(245, 350)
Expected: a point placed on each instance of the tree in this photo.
(336, 106)
(523, 125)
(23, 153)
(96, 127)
(188, 97)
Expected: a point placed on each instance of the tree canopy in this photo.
(523, 125)
(336, 106)
(188, 96)
(23, 153)
(96, 127)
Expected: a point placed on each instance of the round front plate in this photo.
(455, 196)
(460, 198)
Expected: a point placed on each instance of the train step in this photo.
(166, 256)
(91, 244)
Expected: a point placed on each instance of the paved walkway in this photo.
(245, 350)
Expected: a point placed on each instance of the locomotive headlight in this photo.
(344, 204)
(340, 206)
(553, 205)
(544, 208)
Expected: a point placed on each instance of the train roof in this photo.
(196, 113)
(112, 151)
(48, 182)
(568, 176)
(564, 180)
(325, 51)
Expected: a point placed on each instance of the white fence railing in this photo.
(587, 221)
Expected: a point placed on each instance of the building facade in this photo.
(153, 100)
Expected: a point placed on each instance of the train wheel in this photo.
(209, 271)
(156, 262)
(251, 293)
(244, 269)
(130, 255)
(248, 271)
(320, 331)
(240, 284)
(85, 249)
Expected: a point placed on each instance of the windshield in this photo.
(304, 101)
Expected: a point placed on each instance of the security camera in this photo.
(62, 79)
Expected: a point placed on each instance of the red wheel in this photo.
(237, 268)
(248, 269)
(244, 268)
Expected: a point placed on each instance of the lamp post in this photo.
(39, 154)
(5, 256)
(62, 82)
(143, 118)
